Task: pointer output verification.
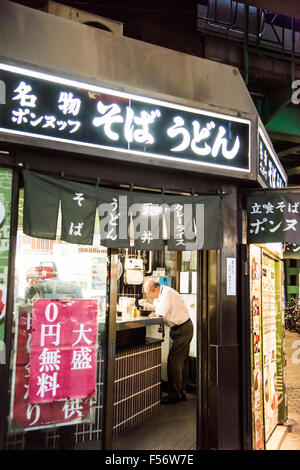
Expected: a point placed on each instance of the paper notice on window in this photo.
(231, 276)
(194, 282)
(184, 282)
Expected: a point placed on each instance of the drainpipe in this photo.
(293, 50)
(246, 51)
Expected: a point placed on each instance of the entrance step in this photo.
(277, 437)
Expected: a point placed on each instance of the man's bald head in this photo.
(152, 288)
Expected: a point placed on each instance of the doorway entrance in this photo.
(140, 421)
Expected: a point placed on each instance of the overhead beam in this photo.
(285, 126)
(289, 151)
(282, 137)
(275, 103)
(289, 8)
(293, 171)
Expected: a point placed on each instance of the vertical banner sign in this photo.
(256, 348)
(147, 215)
(78, 218)
(28, 416)
(63, 350)
(270, 169)
(5, 212)
(281, 346)
(114, 220)
(181, 226)
(269, 345)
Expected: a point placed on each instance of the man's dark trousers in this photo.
(178, 358)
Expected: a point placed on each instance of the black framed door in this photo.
(109, 374)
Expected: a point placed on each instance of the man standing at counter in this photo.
(169, 304)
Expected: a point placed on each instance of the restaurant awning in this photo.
(187, 222)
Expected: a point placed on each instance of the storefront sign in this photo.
(28, 416)
(63, 350)
(291, 251)
(190, 222)
(49, 107)
(270, 169)
(274, 216)
(5, 211)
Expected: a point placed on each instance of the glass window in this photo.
(188, 289)
(53, 269)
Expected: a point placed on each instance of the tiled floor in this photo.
(292, 439)
(173, 427)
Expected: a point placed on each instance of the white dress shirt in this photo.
(171, 306)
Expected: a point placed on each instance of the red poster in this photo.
(26, 415)
(63, 350)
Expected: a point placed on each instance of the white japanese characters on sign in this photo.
(274, 216)
(32, 416)
(63, 355)
(270, 169)
(86, 114)
(268, 223)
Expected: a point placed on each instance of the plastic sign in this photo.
(269, 167)
(48, 107)
(291, 251)
(273, 217)
(63, 350)
(28, 416)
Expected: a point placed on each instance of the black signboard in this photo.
(48, 107)
(273, 216)
(127, 218)
(291, 251)
(269, 168)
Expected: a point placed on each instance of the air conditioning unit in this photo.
(83, 17)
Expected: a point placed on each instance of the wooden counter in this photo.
(132, 331)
